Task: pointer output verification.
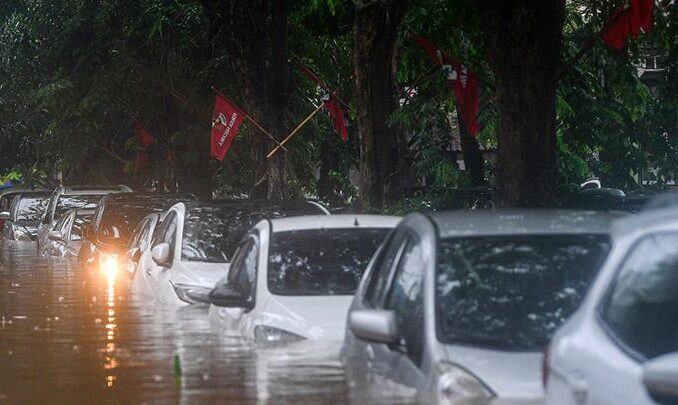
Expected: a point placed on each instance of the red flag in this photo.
(463, 82)
(337, 115)
(226, 120)
(332, 105)
(145, 137)
(628, 21)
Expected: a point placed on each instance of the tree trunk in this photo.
(256, 32)
(473, 156)
(383, 150)
(523, 38)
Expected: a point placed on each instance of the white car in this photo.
(193, 247)
(21, 222)
(457, 307)
(294, 278)
(621, 346)
(65, 198)
(66, 238)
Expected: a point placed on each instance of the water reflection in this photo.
(69, 336)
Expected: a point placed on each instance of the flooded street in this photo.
(67, 336)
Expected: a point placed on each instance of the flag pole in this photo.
(295, 130)
(256, 124)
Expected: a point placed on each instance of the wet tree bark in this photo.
(523, 39)
(473, 156)
(256, 37)
(383, 150)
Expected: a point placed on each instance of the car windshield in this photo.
(320, 261)
(31, 208)
(67, 202)
(119, 219)
(212, 233)
(512, 291)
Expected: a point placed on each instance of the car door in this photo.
(59, 247)
(151, 273)
(375, 358)
(243, 275)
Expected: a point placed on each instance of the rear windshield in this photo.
(67, 202)
(213, 233)
(512, 292)
(30, 209)
(320, 261)
(119, 219)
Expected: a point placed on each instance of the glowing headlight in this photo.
(454, 385)
(269, 336)
(108, 264)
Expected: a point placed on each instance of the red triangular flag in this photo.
(145, 137)
(462, 81)
(337, 115)
(226, 120)
(628, 21)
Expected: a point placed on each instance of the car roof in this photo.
(521, 221)
(333, 221)
(93, 189)
(254, 205)
(142, 196)
(33, 194)
(645, 221)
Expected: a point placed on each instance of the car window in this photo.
(30, 209)
(243, 270)
(512, 291)
(326, 261)
(138, 233)
(79, 224)
(62, 224)
(166, 232)
(382, 271)
(641, 308)
(407, 300)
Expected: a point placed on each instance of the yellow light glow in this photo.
(109, 266)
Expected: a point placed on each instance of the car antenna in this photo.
(356, 223)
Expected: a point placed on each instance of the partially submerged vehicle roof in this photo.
(151, 198)
(289, 206)
(521, 221)
(334, 221)
(33, 194)
(94, 189)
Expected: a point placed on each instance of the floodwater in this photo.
(70, 336)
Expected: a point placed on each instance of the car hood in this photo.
(512, 375)
(313, 317)
(200, 273)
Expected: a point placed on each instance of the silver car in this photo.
(458, 307)
(23, 217)
(66, 238)
(65, 198)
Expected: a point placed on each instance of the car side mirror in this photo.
(161, 254)
(375, 325)
(4, 215)
(55, 236)
(225, 295)
(660, 376)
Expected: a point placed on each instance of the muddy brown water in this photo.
(70, 336)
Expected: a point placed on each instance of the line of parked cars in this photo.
(497, 306)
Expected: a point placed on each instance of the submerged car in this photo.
(621, 346)
(6, 198)
(194, 245)
(458, 307)
(65, 240)
(23, 218)
(294, 278)
(114, 221)
(65, 198)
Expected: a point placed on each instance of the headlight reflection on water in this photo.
(109, 267)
